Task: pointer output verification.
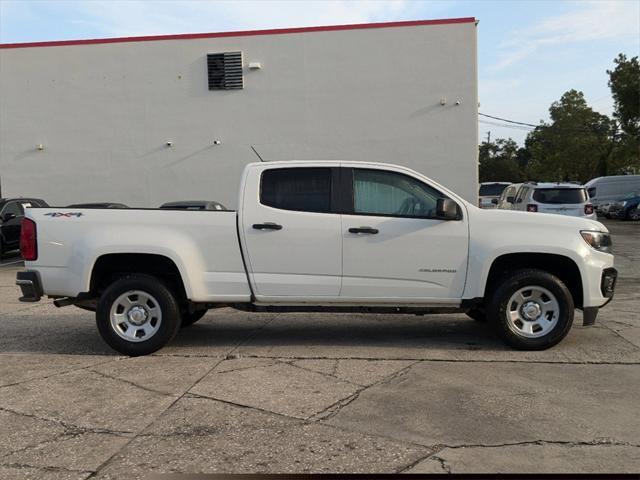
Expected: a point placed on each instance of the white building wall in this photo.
(104, 112)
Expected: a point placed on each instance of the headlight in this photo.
(624, 204)
(600, 241)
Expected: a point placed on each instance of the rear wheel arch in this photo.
(561, 266)
(109, 267)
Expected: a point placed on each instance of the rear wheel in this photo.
(137, 315)
(189, 319)
(531, 310)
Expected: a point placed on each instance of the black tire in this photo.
(166, 303)
(189, 319)
(497, 309)
(478, 314)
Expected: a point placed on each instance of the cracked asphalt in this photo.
(312, 393)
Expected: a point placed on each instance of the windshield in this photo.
(492, 190)
(560, 195)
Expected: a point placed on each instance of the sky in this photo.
(529, 52)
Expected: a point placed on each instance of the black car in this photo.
(11, 213)
(193, 205)
(97, 205)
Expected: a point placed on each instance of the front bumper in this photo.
(607, 287)
(29, 283)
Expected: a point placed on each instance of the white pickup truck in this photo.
(320, 236)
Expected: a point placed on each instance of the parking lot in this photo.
(241, 392)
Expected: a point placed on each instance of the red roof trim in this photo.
(246, 33)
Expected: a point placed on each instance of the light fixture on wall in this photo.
(40, 146)
(169, 143)
(443, 101)
(217, 142)
(255, 66)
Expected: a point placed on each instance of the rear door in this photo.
(394, 250)
(291, 235)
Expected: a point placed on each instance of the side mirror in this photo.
(519, 200)
(494, 201)
(446, 209)
(510, 199)
(8, 216)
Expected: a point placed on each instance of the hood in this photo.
(529, 219)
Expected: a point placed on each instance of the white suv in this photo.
(559, 198)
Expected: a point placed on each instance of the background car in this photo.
(11, 213)
(97, 205)
(490, 191)
(557, 198)
(635, 214)
(193, 205)
(622, 210)
(507, 199)
(612, 188)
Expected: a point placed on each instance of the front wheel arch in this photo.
(560, 266)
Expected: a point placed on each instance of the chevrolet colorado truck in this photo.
(330, 236)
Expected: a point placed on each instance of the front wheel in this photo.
(531, 310)
(137, 315)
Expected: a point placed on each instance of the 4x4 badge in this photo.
(63, 214)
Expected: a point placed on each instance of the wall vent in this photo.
(225, 71)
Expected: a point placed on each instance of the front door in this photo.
(292, 240)
(393, 247)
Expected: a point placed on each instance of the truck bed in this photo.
(203, 243)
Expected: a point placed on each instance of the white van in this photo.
(610, 189)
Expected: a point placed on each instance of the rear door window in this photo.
(299, 189)
(560, 195)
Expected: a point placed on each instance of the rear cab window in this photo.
(302, 189)
(560, 195)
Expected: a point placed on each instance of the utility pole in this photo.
(489, 136)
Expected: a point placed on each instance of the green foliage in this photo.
(575, 145)
(624, 81)
(502, 161)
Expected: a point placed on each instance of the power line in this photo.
(508, 121)
(513, 127)
(528, 126)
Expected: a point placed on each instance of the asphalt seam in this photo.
(324, 374)
(620, 336)
(413, 359)
(69, 426)
(336, 407)
(64, 372)
(128, 382)
(444, 464)
(244, 406)
(46, 469)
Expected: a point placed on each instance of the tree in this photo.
(501, 160)
(624, 81)
(576, 145)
